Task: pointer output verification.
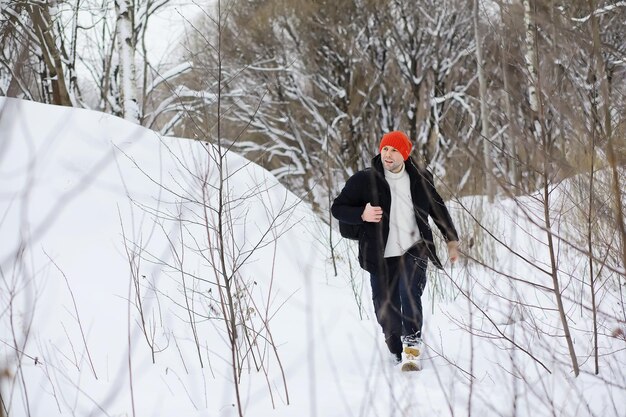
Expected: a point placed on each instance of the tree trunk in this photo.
(541, 135)
(530, 57)
(608, 130)
(484, 114)
(514, 170)
(16, 85)
(51, 54)
(126, 52)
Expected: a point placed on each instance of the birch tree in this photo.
(127, 47)
(53, 51)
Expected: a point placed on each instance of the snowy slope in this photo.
(90, 202)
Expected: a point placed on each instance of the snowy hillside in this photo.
(126, 257)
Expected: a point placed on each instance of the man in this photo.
(392, 201)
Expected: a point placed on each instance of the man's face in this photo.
(392, 159)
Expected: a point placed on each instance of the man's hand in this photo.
(453, 250)
(372, 214)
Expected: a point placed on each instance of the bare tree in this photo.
(208, 224)
(607, 130)
(484, 115)
(43, 44)
(329, 86)
(34, 31)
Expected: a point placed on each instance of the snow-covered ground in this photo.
(108, 302)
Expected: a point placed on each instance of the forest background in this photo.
(497, 95)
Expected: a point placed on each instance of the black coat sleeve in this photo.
(439, 212)
(350, 203)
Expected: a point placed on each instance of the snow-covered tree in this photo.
(324, 82)
(84, 53)
(35, 63)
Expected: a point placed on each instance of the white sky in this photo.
(166, 29)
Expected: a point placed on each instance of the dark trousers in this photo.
(397, 293)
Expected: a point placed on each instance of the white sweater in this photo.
(403, 231)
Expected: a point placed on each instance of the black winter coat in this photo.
(370, 186)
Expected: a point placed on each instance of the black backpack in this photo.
(349, 231)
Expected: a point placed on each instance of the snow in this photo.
(81, 189)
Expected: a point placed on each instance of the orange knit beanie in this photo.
(398, 140)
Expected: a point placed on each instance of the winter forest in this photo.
(262, 110)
